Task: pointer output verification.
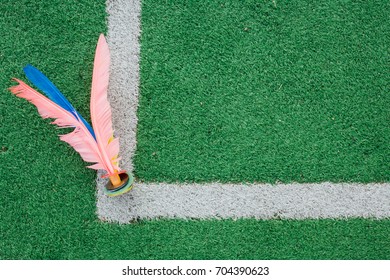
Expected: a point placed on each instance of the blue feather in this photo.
(44, 84)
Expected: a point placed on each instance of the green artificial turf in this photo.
(255, 91)
(47, 199)
(47, 203)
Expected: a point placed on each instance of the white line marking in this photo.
(213, 200)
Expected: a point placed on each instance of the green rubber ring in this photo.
(122, 189)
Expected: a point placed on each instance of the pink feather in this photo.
(104, 150)
(101, 110)
(80, 139)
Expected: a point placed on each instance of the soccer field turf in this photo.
(246, 91)
(188, 111)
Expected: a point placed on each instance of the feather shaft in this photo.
(101, 110)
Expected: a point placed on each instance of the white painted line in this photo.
(287, 201)
(212, 200)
